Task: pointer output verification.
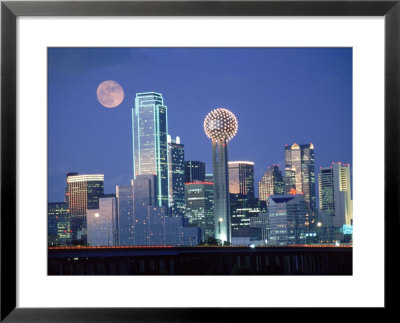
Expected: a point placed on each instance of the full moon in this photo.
(110, 94)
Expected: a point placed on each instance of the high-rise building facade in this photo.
(300, 172)
(102, 223)
(152, 225)
(241, 178)
(150, 146)
(176, 172)
(289, 181)
(286, 219)
(147, 215)
(199, 200)
(271, 183)
(126, 224)
(242, 210)
(261, 222)
(195, 171)
(220, 125)
(59, 224)
(83, 193)
(177, 234)
(335, 193)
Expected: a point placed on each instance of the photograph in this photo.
(185, 147)
(200, 161)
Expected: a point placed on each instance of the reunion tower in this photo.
(220, 125)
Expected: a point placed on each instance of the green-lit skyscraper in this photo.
(150, 146)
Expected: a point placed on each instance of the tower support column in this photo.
(222, 221)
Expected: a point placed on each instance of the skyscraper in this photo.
(271, 183)
(335, 193)
(145, 210)
(241, 178)
(152, 226)
(83, 193)
(126, 222)
(286, 219)
(195, 171)
(220, 125)
(242, 210)
(199, 198)
(59, 224)
(102, 223)
(289, 181)
(176, 171)
(300, 173)
(150, 147)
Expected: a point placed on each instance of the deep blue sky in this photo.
(279, 96)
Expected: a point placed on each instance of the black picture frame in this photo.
(10, 10)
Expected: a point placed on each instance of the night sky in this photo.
(279, 96)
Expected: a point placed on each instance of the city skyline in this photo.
(105, 129)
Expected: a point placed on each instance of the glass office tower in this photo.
(176, 155)
(59, 224)
(152, 225)
(241, 178)
(102, 223)
(286, 219)
(335, 193)
(150, 146)
(271, 183)
(242, 210)
(125, 215)
(82, 194)
(195, 171)
(199, 197)
(149, 220)
(300, 172)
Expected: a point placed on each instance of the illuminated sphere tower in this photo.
(220, 125)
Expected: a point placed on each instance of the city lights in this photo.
(181, 201)
(220, 124)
